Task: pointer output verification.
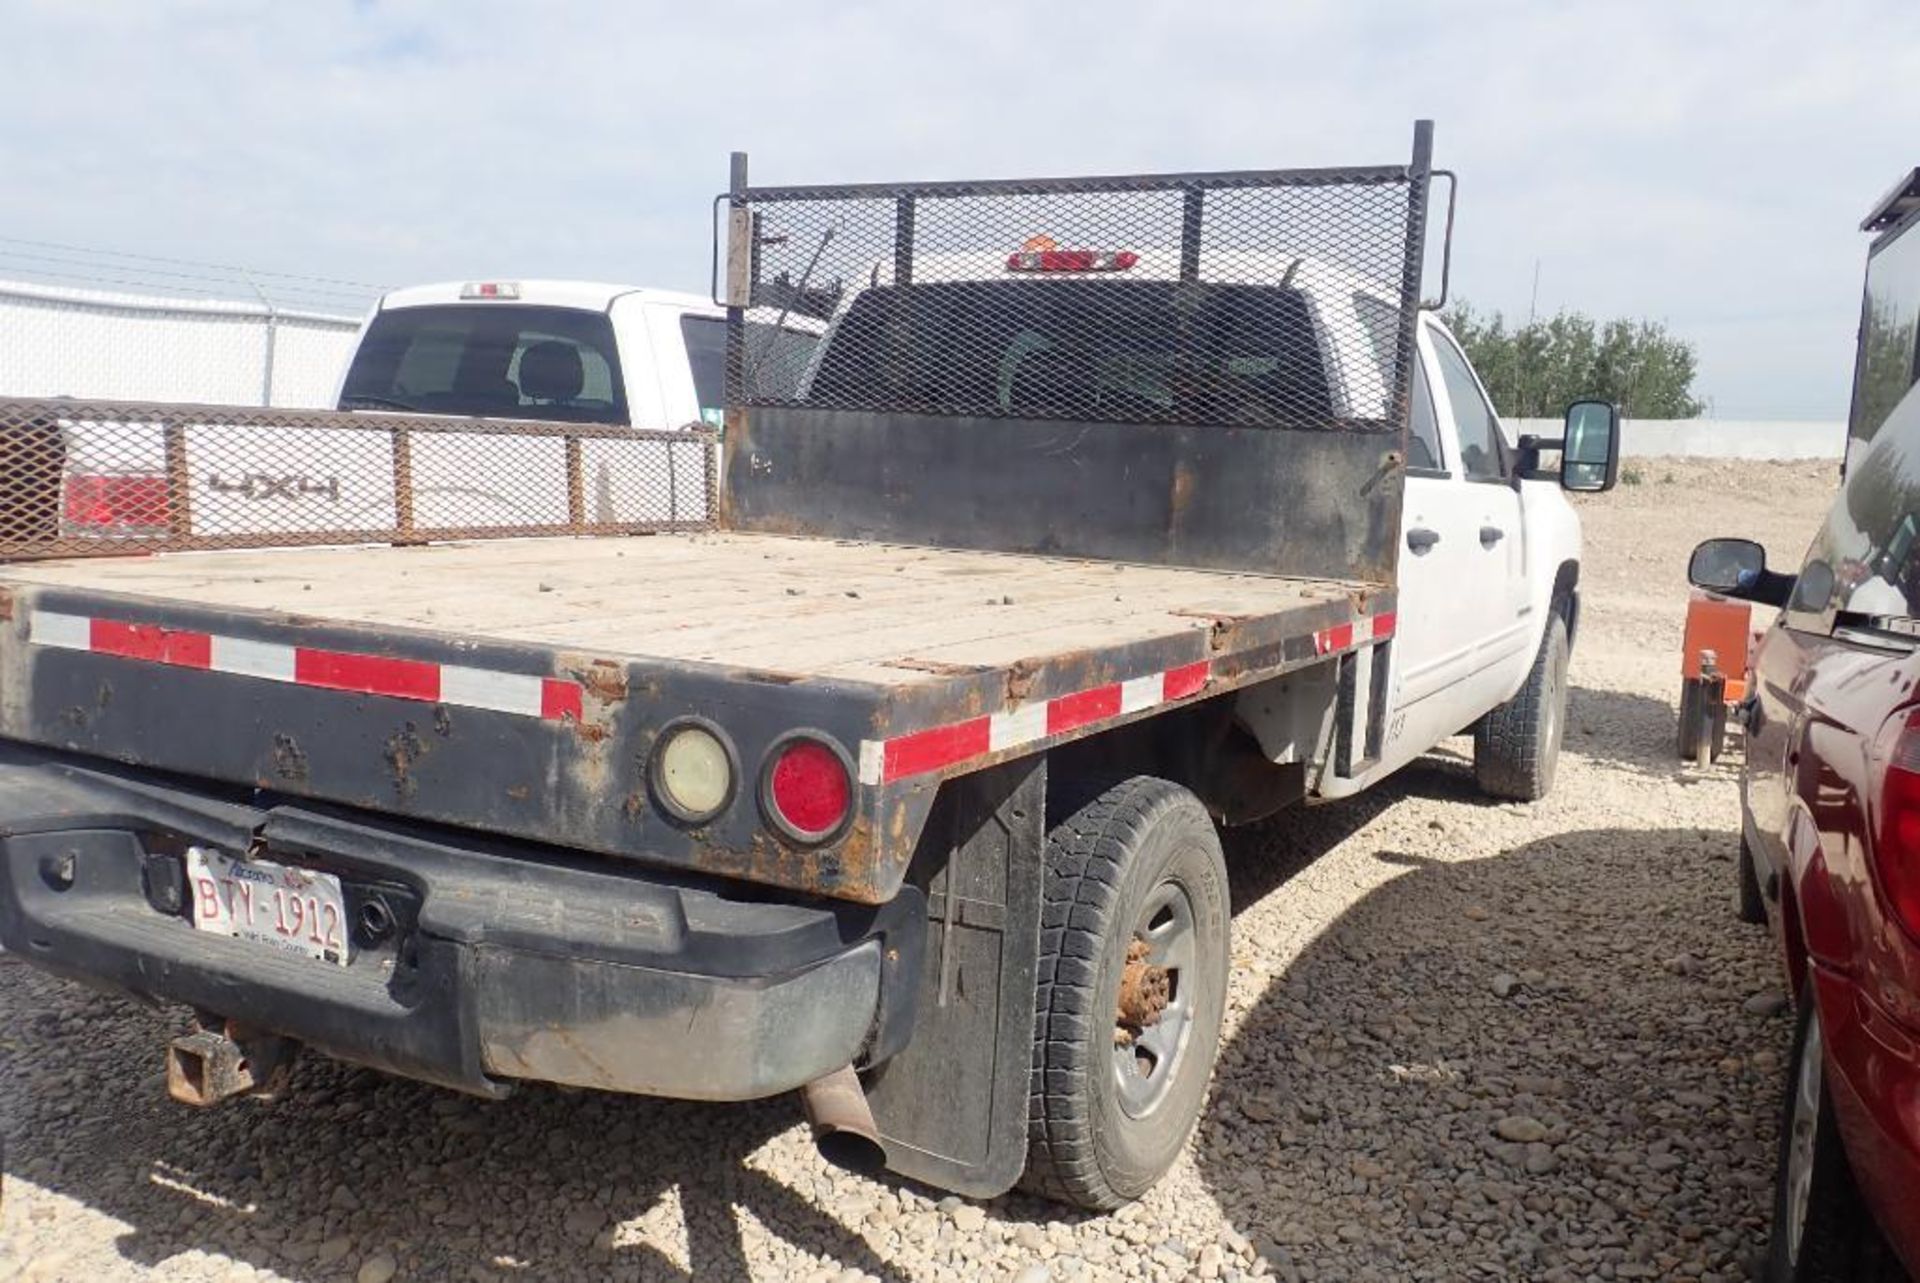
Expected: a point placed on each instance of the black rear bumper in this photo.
(498, 961)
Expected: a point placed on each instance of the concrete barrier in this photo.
(1715, 438)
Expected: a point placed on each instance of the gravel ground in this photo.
(1464, 1041)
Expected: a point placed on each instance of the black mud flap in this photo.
(952, 1107)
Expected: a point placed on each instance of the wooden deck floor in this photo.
(887, 614)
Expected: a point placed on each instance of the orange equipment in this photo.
(1715, 660)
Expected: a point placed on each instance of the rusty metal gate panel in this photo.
(103, 478)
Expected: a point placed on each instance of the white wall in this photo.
(87, 343)
(1714, 438)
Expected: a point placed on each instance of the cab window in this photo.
(1423, 442)
(1863, 568)
(1482, 457)
(512, 360)
(1889, 320)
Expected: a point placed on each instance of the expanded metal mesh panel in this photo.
(102, 478)
(1259, 300)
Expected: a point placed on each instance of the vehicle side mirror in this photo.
(1737, 568)
(1590, 448)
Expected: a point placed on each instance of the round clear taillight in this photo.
(807, 791)
(692, 772)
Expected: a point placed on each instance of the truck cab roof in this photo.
(592, 296)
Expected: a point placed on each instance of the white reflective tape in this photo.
(243, 658)
(1142, 692)
(499, 692)
(873, 756)
(1022, 726)
(66, 632)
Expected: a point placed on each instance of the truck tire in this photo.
(1751, 905)
(1822, 1232)
(1517, 746)
(1132, 990)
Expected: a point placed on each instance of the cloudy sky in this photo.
(1703, 163)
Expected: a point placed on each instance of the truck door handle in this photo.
(1491, 535)
(1419, 539)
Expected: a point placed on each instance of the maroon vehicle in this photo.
(1830, 845)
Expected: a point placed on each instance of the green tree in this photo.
(1533, 371)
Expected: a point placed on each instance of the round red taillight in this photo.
(808, 789)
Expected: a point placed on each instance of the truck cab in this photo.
(1490, 560)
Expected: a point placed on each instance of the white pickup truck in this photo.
(535, 350)
(894, 779)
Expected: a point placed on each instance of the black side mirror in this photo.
(1738, 568)
(1726, 565)
(1590, 447)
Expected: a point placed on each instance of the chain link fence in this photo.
(103, 324)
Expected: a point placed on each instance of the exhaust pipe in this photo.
(843, 1123)
(208, 1066)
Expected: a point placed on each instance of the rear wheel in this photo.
(1821, 1230)
(1133, 983)
(1516, 747)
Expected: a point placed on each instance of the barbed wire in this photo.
(59, 264)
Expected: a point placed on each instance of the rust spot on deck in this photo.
(1020, 676)
(6, 605)
(1220, 625)
(767, 676)
(1179, 495)
(603, 679)
(847, 870)
(937, 666)
(289, 759)
(404, 749)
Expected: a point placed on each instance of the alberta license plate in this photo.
(297, 911)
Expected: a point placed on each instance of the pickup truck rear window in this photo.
(1086, 349)
(507, 360)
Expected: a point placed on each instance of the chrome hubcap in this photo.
(1800, 1139)
(1153, 1012)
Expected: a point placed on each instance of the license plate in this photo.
(298, 911)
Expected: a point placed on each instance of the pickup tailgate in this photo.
(518, 686)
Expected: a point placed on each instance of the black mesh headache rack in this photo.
(1207, 370)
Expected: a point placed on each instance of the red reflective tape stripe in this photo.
(930, 750)
(1339, 637)
(150, 642)
(1184, 681)
(559, 699)
(367, 674)
(1383, 625)
(1069, 711)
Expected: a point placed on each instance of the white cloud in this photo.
(1703, 163)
